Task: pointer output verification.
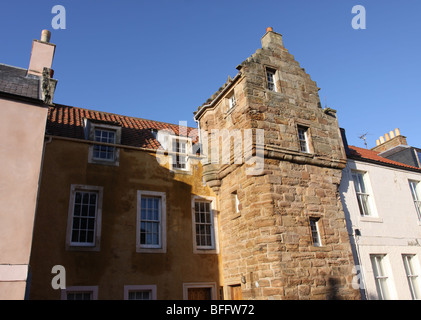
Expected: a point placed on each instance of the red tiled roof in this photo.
(365, 154)
(67, 121)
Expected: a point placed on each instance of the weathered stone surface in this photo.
(272, 230)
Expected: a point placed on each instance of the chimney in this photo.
(42, 54)
(389, 141)
(272, 40)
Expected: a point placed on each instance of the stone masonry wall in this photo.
(267, 247)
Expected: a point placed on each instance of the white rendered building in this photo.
(381, 200)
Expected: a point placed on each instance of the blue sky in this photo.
(160, 60)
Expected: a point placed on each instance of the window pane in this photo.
(412, 275)
(203, 221)
(84, 215)
(380, 276)
(150, 221)
(140, 295)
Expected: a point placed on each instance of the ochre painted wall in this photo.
(117, 263)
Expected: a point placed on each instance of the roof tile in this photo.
(361, 153)
(67, 121)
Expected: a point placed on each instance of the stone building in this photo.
(282, 227)
(132, 210)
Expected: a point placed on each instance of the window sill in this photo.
(205, 251)
(150, 250)
(82, 248)
(230, 110)
(371, 219)
(181, 171)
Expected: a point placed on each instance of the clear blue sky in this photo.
(160, 60)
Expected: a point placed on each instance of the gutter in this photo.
(201, 110)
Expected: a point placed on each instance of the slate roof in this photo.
(362, 154)
(14, 80)
(67, 121)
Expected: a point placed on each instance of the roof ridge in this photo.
(380, 158)
(117, 114)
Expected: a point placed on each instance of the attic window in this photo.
(154, 132)
(102, 152)
(106, 137)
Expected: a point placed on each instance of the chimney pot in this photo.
(397, 132)
(269, 29)
(381, 140)
(45, 35)
(387, 137)
(391, 134)
(377, 142)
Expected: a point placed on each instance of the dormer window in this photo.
(107, 137)
(270, 76)
(180, 158)
(103, 152)
(180, 148)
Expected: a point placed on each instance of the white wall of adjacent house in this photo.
(392, 230)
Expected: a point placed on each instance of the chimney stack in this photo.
(271, 39)
(389, 141)
(42, 54)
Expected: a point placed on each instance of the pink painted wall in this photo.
(22, 128)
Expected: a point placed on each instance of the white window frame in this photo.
(95, 246)
(412, 271)
(210, 285)
(174, 153)
(237, 203)
(315, 233)
(214, 248)
(416, 196)
(147, 248)
(90, 128)
(304, 131)
(272, 73)
(381, 276)
(363, 197)
(137, 288)
(232, 101)
(80, 289)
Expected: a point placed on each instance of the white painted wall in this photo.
(393, 230)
